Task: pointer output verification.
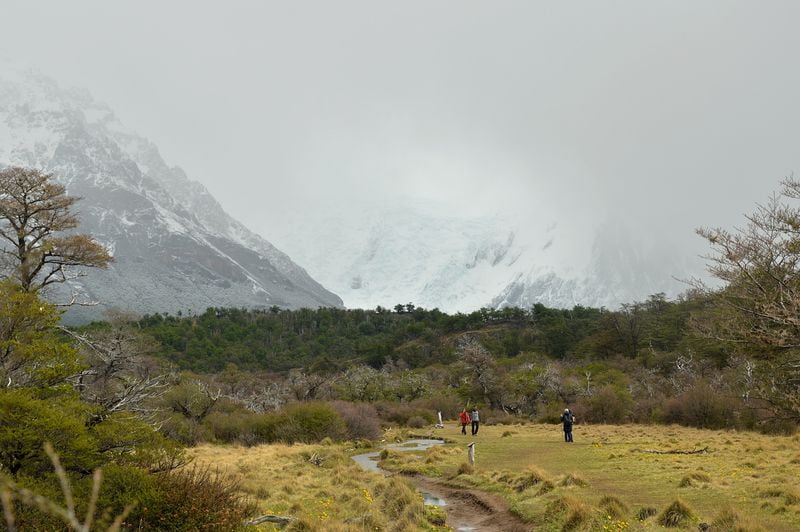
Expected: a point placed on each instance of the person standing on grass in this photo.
(476, 420)
(463, 417)
(567, 419)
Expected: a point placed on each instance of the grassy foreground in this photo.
(604, 481)
(321, 486)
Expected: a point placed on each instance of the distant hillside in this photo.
(175, 248)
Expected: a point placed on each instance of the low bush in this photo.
(361, 419)
(701, 407)
(195, 499)
(417, 422)
(308, 422)
(609, 404)
(401, 413)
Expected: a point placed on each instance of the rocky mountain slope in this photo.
(175, 248)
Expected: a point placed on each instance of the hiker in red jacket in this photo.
(463, 417)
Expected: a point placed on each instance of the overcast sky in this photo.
(675, 113)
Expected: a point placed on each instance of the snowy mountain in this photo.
(410, 252)
(175, 248)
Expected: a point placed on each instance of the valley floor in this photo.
(607, 480)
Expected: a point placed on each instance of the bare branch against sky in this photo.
(645, 108)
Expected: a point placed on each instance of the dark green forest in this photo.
(331, 339)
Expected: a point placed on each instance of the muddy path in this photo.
(467, 509)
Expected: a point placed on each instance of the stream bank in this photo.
(467, 510)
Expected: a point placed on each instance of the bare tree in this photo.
(122, 375)
(758, 309)
(36, 219)
(483, 368)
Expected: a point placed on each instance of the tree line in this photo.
(125, 394)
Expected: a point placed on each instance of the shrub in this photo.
(607, 405)
(196, 499)
(417, 422)
(701, 407)
(229, 427)
(28, 422)
(183, 430)
(400, 413)
(448, 405)
(361, 419)
(308, 422)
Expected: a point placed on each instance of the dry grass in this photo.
(334, 495)
(534, 468)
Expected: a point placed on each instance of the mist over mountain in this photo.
(411, 251)
(174, 246)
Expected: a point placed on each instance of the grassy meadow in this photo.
(604, 481)
(321, 486)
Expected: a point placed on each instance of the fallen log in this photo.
(281, 520)
(704, 450)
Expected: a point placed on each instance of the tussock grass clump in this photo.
(646, 512)
(573, 513)
(439, 454)
(546, 487)
(677, 514)
(729, 520)
(693, 479)
(465, 469)
(573, 480)
(613, 507)
(529, 478)
(508, 433)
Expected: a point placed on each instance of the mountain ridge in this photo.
(175, 247)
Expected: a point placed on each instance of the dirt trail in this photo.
(469, 510)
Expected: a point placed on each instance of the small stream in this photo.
(369, 461)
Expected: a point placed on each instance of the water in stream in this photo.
(369, 461)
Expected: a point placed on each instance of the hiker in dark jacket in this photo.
(567, 419)
(476, 420)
